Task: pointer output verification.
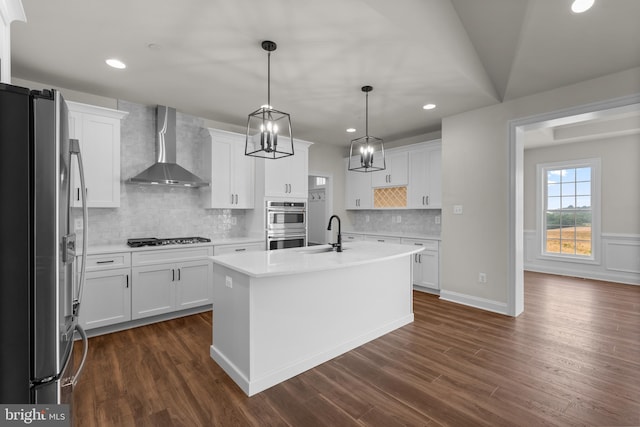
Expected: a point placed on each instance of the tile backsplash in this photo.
(159, 211)
(418, 221)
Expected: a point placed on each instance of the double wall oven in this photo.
(286, 224)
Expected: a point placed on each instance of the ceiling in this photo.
(204, 57)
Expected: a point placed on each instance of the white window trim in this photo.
(596, 208)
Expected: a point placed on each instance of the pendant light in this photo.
(367, 152)
(269, 130)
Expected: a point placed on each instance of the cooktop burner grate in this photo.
(152, 241)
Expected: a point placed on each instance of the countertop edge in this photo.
(227, 261)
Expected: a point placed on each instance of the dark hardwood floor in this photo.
(572, 359)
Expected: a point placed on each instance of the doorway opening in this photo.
(319, 208)
(518, 130)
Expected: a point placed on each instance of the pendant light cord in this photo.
(269, 80)
(366, 116)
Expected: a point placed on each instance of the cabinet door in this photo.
(288, 176)
(243, 174)
(358, 191)
(106, 298)
(222, 196)
(193, 284)
(417, 190)
(395, 173)
(425, 170)
(153, 290)
(428, 265)
(100, 148)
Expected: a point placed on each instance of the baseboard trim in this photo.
(476, 302)
(145, 321)
(254, 386)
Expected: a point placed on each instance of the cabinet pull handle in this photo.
(241, 249)
(105, 262)
(427, 200)
(127, 280)
(173, 275)
(417, 244)
(179, 273)
(382, 241)
(423, 200)
(236, 199)
(232, 199)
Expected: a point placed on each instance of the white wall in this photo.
(620, 175)
(475, 167)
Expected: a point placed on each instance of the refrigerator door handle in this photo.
(74, 145)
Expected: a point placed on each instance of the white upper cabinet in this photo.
(358, 191)
(229, 171)
(286, 177)
(396, 172)
(98, 131)
(425, 177)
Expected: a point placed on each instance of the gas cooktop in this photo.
(152, 241)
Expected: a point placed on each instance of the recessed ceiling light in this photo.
(429, 106)
(351, 130)
(579, 6)
(116, 63)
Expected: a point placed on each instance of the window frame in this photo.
(541, 198)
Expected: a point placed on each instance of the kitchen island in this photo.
(278, 313)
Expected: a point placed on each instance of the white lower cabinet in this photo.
(426, 263)
(106, 296)
(161, 286)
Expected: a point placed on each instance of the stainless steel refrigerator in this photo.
(39, 293)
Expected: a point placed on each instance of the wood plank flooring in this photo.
(572, 359)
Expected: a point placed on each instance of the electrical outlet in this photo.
(78, 224)
(438, 219)
(234, 220)
(366, 218)
(482, 277)
(399, 220)
(457, 209)
(228, 281)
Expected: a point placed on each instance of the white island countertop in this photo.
(312, 258)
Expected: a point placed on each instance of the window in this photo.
(321, 181)
(569, 209)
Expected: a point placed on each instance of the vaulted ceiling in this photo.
(204, 57)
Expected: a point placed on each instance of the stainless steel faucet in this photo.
(337, 245)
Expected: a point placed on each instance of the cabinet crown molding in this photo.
(12, 10)
(78, 107)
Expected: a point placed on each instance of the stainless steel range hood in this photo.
(166, 171)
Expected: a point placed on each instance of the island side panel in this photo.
(230, 343)
(300, 321)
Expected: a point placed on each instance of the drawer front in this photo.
(239, 248)
(163, 256)
(106, 261)
(429, 245)
(346, 237)
(382, 239)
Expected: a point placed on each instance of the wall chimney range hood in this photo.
(165, 171)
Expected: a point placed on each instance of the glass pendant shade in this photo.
(269, 130)
(367, 152)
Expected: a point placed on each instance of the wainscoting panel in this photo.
(620, 260)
